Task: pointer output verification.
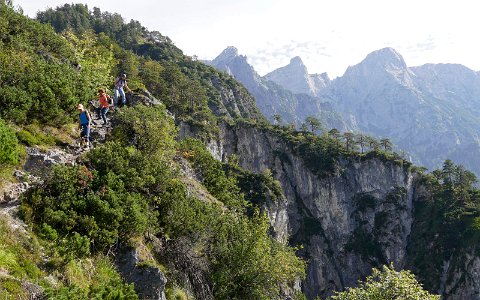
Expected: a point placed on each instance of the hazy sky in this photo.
(328, 35)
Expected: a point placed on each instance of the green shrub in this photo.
(9, 149)
(223, 187)
(387, 283)
(76, 201)
(148, 129)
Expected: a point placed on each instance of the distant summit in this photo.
(295, 78)
(227, 55)
(274, 98)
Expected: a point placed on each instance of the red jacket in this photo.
(103, 100)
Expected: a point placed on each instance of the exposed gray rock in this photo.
(295, 77)
(358, 217)
(148, 280)
(142, 97)
(38, 162)
(465, 282)
(188, 268)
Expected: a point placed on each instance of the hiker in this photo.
(120, 83)
(104, 104)
(85, 123)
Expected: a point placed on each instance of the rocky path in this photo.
(36, 165)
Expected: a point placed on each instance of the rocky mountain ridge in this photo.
(431, 112)
(273, 99)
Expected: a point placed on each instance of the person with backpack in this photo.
(120, 83)
(104, 104)
(84, 124)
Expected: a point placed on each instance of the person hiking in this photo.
(120, 83)
(104, 104)
(84, 124)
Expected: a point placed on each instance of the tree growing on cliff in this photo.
(387, 284)
(349, 140)
(277, 119)
(386, 144)
(314, 123)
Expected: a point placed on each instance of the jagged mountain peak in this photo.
(380, 66)
(230, 51)
(229, 54)
(385, 57)
(296, 61)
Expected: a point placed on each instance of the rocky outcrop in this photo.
(188, 267)
(142, 97)
(148, 280)
(39, 162)
(358, 217)
(464, 281)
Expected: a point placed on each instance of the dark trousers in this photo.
(103, 113)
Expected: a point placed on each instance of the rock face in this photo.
(295, 77)
(39, 162)
(148, 280)
(273, 99)
(357, 218)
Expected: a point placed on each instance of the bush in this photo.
(148, 129)
(9, 149)
(92, 207)
(387, 284)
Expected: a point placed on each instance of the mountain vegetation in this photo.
(153, 184)
(126, 188)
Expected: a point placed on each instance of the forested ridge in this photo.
(132, 189)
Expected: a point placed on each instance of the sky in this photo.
(329, 35)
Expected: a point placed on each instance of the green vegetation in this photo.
(190, 89)
(19, 256)
(125, 189)
(446, 222)
(9, 149)
(40, 80)
(387, 284)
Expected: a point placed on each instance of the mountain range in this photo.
(431, 112)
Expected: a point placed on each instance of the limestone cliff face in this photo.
(357, 218)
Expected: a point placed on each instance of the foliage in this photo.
(249, 264)
(259, 188)
(213, 176)
(38, 77)
(387, 283)
(94, 278)
(102, 206)
(446, 222)
(314, 123)
(19, 253)
(9, 149)
(148, 129)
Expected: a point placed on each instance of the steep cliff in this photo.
(357, 216)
